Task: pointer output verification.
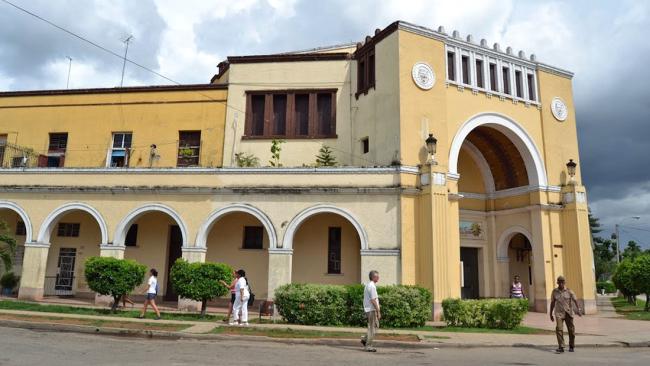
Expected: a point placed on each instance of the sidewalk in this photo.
(593, 331)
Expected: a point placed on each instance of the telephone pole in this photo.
(126, 51)
(67, 85)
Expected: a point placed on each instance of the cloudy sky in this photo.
(603, 42)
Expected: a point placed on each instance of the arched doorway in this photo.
(153, 235)
(520, 254)
(18, 226)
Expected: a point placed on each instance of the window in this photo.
(334, 251)
(451, 66)
(131, 239)
(365, 145)
(465, 66)
(21, 230)
(479, 74)
(58, 142)
(189, 148)
(365, 69)
(531, 87)
(519, 86)
(494, 85)
(68, 229)
(506, 80)
(55, 152)
(253, 237)
(291, 114)
(119, 155)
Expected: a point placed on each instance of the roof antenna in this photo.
(67, 84)
(126, 51)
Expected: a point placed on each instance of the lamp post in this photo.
(431, 143)
(618, 240)
(571, 168)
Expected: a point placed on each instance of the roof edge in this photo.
(289, 57)
(127, 89)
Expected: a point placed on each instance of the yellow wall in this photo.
(90, 120)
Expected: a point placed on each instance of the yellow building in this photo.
(161, 172)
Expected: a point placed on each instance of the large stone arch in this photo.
(504, 241)
(23, 215)
(515, 132)
(51, 220)
(204, 231)
(295, 223)
(123, 226)
(484, 167)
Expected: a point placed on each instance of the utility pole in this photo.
(67, 84)
(126, 51)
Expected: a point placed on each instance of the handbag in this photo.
(251, 298)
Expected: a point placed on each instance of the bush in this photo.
(9, 281)
(608, 286)
(624, 279)
(200, 281)
(401, 306)
(113, 277)
(487, 313)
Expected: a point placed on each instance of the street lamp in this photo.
(431, 143)
(618, 240)
(571, 168)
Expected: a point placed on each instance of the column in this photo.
(279, 268)
(543, 259)
(192, 255)
(577, 250)
(32, 281)
(112, 251)
(386, 261)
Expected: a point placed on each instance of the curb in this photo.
(166, 335)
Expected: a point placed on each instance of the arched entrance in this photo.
(18, 226)
(74, 233)
(153, 235)
(240, 235)
(520, 254)
(326, 243)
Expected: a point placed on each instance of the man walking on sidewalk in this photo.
(371, 307)
(562, 300)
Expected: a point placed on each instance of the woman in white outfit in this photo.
(242, 293)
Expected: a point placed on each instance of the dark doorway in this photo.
(175, 251)
(469, 257)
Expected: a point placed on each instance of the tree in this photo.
(594, 224)
(604, 257)
(275, 153)
(113, 277)
(624, 280)
(200, 281)
(632, 250)
(325, 157)
(7, 247)
(641, 271)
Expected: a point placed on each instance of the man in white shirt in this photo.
(371, 307)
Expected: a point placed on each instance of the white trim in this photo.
(380, 252)
(189, 249)
(45, 232)
(504, 241)
(23, 215)
(37, 245)
(112, 247)
(295, 223)
(517, 135)
(204, 231)
(510, 192)
(281, 251)
(122, 227)
(483, 166)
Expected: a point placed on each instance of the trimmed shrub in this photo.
(200, 281)
(9, 281)
(485, 313)
(608, 286)
(311, 304)
(113, 277)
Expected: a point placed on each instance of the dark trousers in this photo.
(559, 331)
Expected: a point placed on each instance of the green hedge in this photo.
(609, 287)
(487, 313)
(311, 304)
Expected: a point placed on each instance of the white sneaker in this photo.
(244, 324)
(233, 323)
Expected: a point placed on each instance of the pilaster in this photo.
(280, 261)
(32, 281)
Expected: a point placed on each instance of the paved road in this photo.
(25, 347)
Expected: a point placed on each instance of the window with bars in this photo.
(519, 84)
(57, 146)
(480, 78)
(531, 87)
(334, 251)
(21, 230)
(119, 155)
(466, 72)
(68, 229)
(365, 69)
(189, 148)
(506, 80)
(253, 237)
(291, 114)
(451, 66)
(494, 82)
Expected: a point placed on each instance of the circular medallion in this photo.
(559, 109)
(423, 75)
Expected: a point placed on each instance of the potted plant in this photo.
(9, 281)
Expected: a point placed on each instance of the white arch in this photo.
(51, 220)
(504, 241)
(204, 231)
(517, 135)
(483, 166)
(23, 215)
(125, 224)
(287, 242)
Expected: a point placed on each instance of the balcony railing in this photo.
(15, 156)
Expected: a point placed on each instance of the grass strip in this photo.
(308, 334)
(96, 322)
(630, 311)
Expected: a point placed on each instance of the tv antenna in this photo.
(126, 51)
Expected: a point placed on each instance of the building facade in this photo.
(159, 173)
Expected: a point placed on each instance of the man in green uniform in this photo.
(562, 300)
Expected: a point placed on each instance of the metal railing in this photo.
(15, 156)
(59, 286)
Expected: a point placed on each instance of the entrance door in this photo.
(65, 276)
(469, 257)
(175, 251)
